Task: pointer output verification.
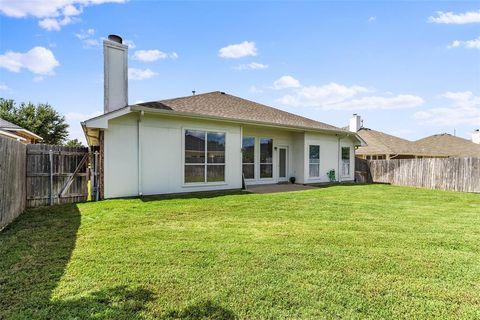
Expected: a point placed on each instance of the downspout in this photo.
(244, 186)
(139, 153)
(338, 159)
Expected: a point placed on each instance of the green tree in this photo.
(41, 119)
(74, 143)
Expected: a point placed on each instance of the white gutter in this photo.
(36, 136)
(12, 135)
(139, 152)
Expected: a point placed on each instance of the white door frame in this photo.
(282, 179)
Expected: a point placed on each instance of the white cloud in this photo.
(71, 10)
(334, 96)
(73, 119)
(452, 18)
(140, 74)
(38, 79)
(130, 44)
(52, 24)
(463, 109)
(470, 44)
(38, 60)
(400, 101)
(321, 96)
(91, 43)
(85, 34)
(285, 82)
(240, 50)
(252, 66)
(54, 14)
(87, 38)
(372, 19)
(153, 55)
(4, 87)
(254, 89)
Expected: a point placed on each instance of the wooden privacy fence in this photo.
(12, 180)
(56, 174)
(456, 174)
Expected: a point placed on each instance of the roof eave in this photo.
(11, 135)
(30, 133)
(235, 120)
(101, 121)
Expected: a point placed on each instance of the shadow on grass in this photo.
(338, 184)
(194, 195)
(203, 310)
(34, 253)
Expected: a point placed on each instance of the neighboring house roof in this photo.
(4, 124)
(11, 127)
(382, 143)
(11, 135)
(451, 145)
(220, 104)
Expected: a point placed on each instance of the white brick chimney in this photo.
(476, 136)
(115, 58)
(355, 123)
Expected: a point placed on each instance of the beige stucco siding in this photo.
(161, 155)
(330, 157)
(145, 154)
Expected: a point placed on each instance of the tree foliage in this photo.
(74, 143)
(41, 119)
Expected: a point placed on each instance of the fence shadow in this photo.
(194, 195)
(34, 252)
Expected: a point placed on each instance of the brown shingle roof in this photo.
(450, 145)
(219, 104)
(4, 124)
(382, 143)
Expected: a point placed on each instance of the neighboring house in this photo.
(380, 145)
(206, 141)
(451, 145)
(18, 133)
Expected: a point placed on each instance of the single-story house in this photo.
(13, 131)
(381, 145)
(451, 145)
(210, 141)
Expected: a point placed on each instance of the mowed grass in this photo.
(366, 251)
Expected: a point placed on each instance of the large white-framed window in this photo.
(314, 161)
(248, 157)
(266, 158)
(204, 156)
(345, 161)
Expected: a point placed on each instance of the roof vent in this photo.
(115, 38)
(221, 92)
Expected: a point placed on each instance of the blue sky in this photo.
(408, 68)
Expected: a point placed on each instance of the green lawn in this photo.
(346, 252)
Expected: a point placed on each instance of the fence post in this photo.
(50, 159)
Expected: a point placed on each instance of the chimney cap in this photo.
(115, 38)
